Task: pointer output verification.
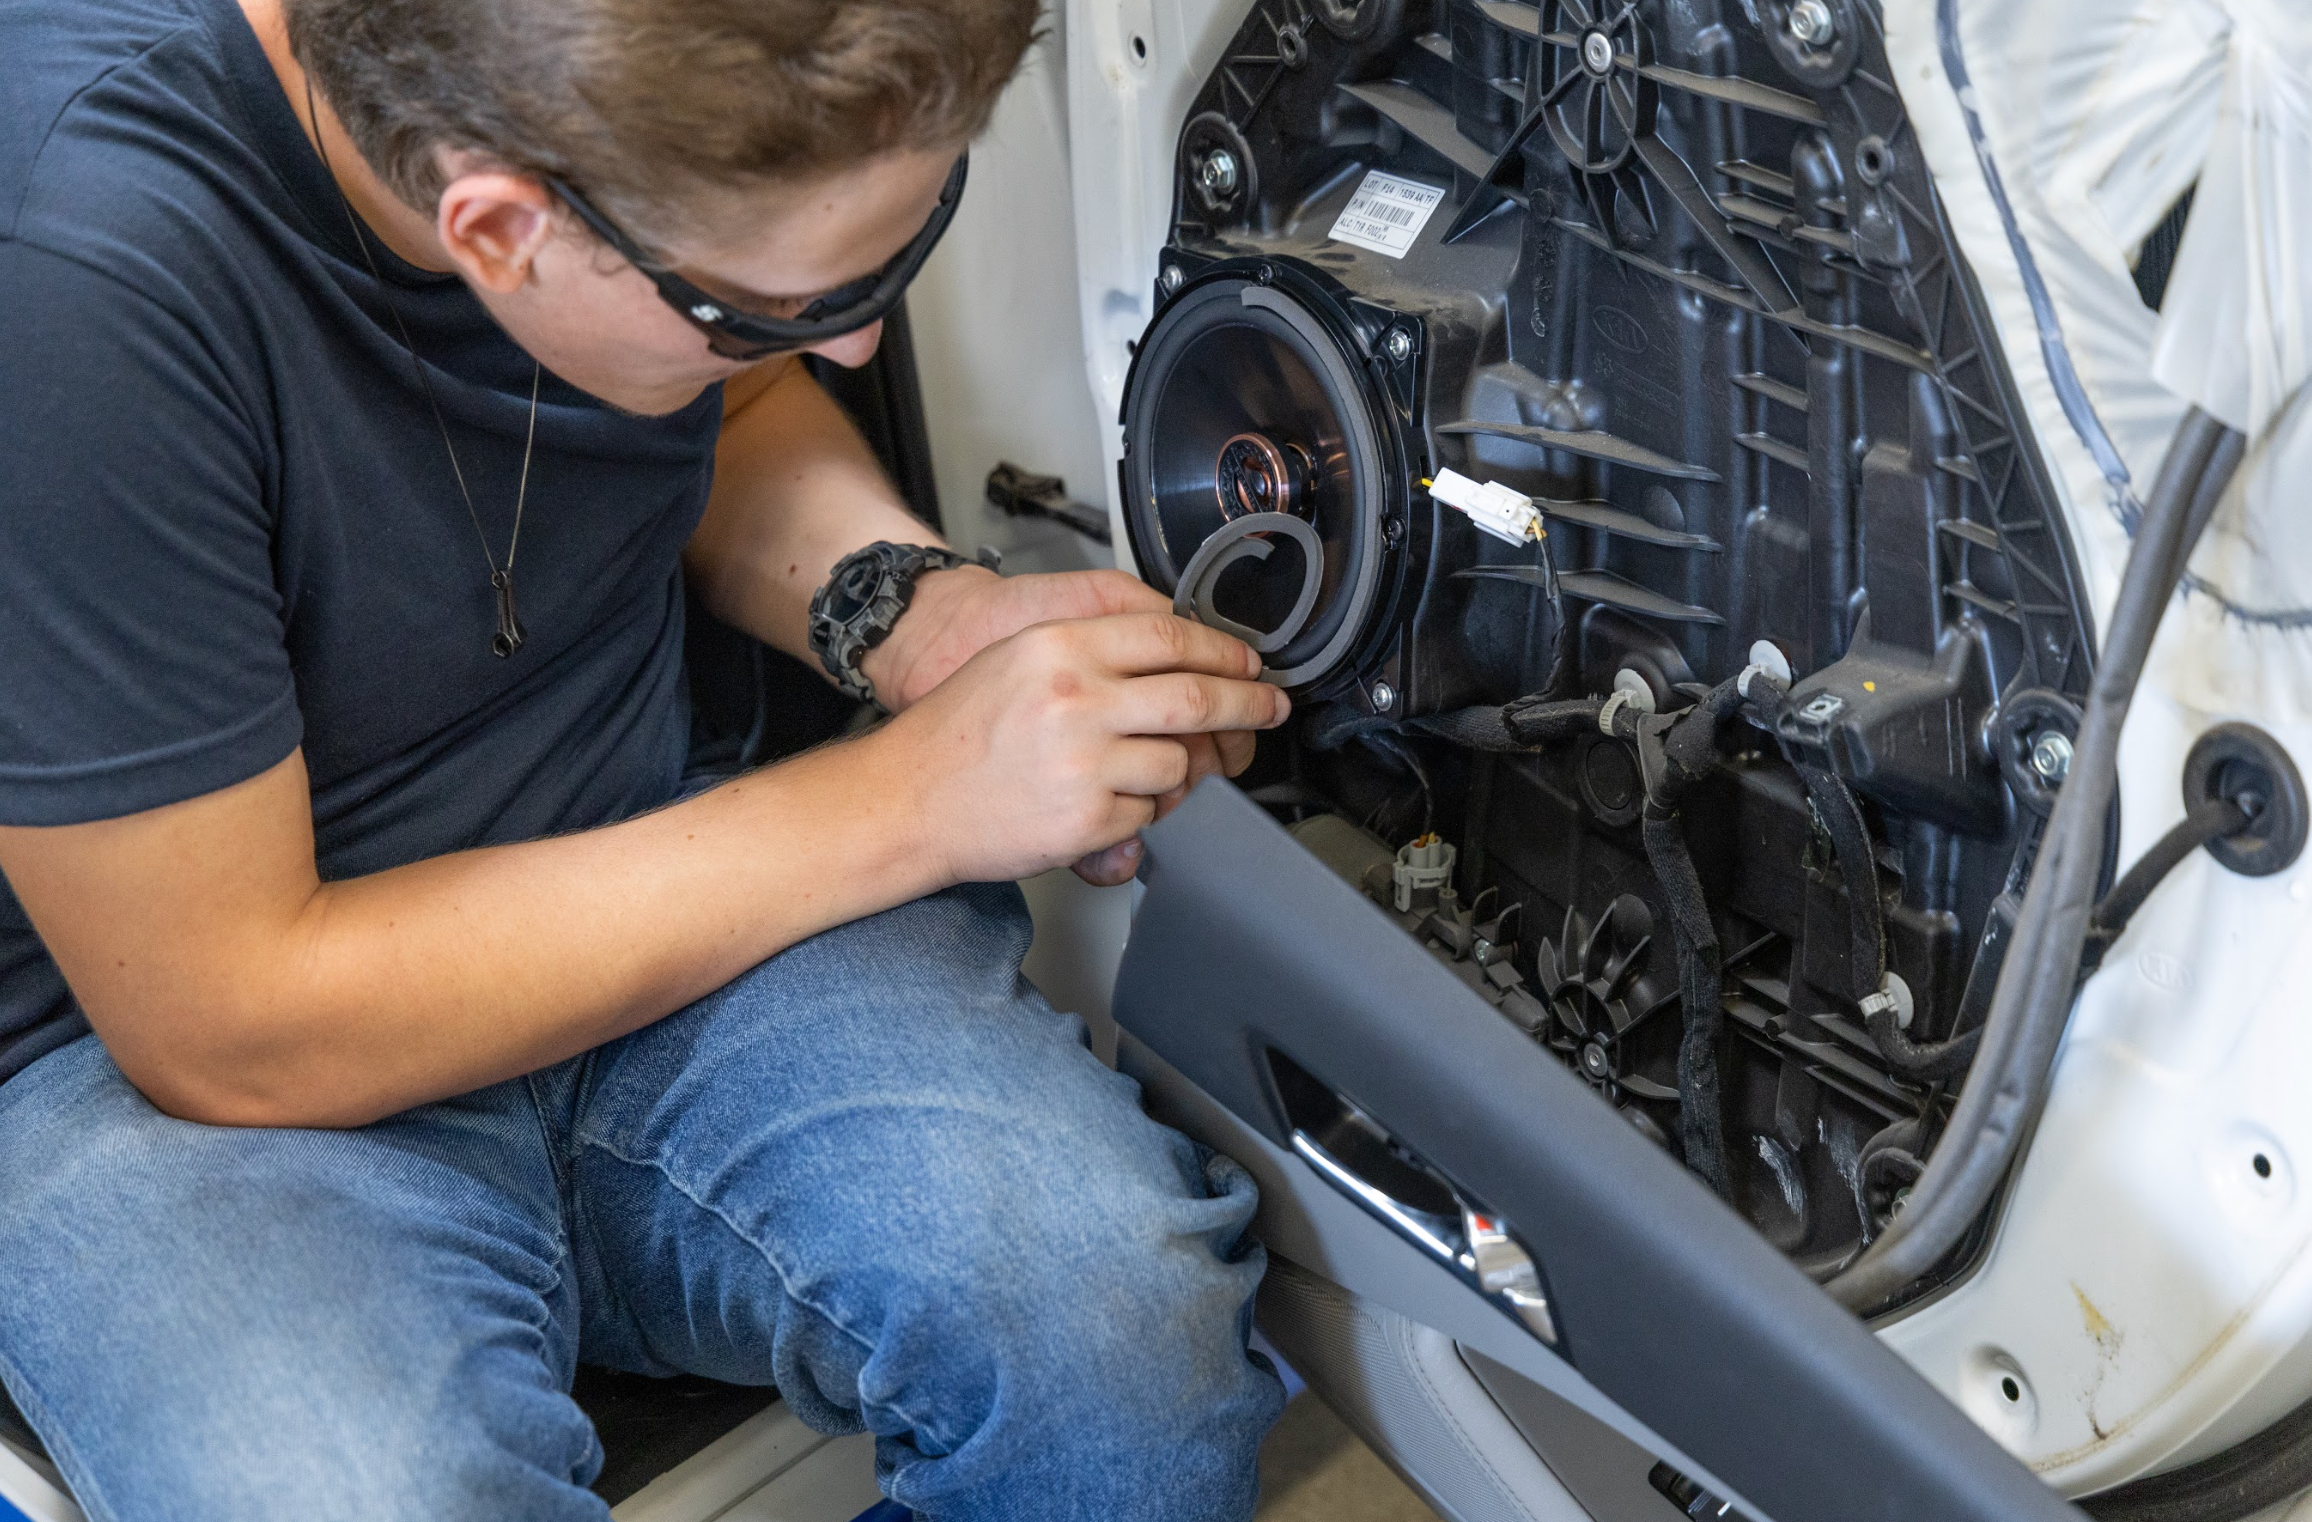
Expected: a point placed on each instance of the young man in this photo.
(386, 1021)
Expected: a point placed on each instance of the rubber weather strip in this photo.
(2004, 1089)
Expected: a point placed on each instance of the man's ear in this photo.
(492, 224)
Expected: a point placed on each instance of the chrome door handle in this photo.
(1477, 1248)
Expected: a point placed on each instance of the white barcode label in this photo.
(1386, 214)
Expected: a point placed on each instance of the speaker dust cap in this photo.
(1254, 473)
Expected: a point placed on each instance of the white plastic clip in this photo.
(1768, 661)
(1630, 691)
(1493, 507)
(1894, 995)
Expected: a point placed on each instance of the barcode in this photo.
(1386, 214)
(1398, 215)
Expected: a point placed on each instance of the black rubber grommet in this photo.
(2016, 728)
(1606, 771)
(1824, 66)
(2248, 766)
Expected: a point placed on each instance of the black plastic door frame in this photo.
(1245, 945)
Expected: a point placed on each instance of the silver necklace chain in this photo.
(509, 635)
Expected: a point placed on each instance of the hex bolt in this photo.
(1813, 23)
(1218, 173)
(1398, 345)
(1171, 278)
(1384, 697)
(2051, 756)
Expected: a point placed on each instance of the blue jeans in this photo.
(878, 1170)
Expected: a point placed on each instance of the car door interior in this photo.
(1587, 413)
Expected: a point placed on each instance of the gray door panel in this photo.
(1304, 1220)
(1246, 950)
(1603, 1470)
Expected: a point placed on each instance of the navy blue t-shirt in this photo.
(228, 525)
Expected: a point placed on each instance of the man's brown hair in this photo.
(649, 105)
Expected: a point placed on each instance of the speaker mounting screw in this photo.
(1383, 695)
(1171, 278)
(1219, 173)
(1398, 345)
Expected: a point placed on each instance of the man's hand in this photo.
(1055, 744)
(956, 614)
(795, 489)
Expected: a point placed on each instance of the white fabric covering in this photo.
(2099, 114)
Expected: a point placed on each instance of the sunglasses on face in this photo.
(741, 335)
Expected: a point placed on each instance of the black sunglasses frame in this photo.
(738, 335)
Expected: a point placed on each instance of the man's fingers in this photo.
(1106, 869)
(1186, 703)
(1114, 864)
(1203, 762)
(1142, 644)
(1235, 747)
(1120, 592)
(1209, 755)
(1221, 755)
(1145, 768)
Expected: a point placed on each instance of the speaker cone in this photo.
(1246, 408)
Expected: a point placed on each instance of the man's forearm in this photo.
(234, 987)
(371, 995)
(796, 489)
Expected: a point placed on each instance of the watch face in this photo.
(850, 593)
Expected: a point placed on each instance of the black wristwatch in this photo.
(864, 596)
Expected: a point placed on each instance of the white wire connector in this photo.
(1493, 507)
